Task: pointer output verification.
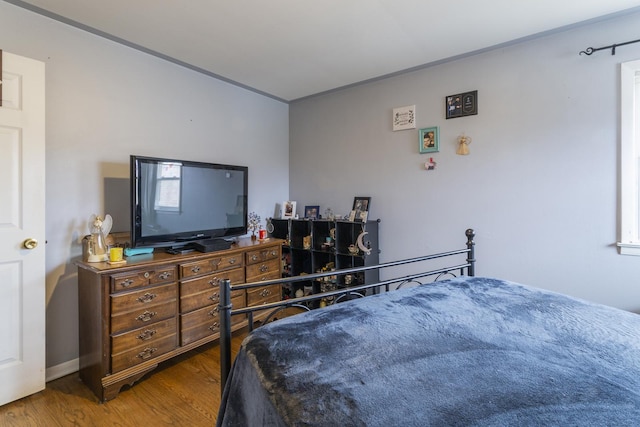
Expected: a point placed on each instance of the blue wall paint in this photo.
(540, 185)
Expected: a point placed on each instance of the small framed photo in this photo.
(311, 212)
(360, 210)
(404, 118)
(429, 140)
(358, 216)
(461, 104)
(289, 209)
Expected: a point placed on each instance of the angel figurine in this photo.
(99, 228)
(463, 145)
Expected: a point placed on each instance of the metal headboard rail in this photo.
(351, 289)
(226, 310)
(314, 276)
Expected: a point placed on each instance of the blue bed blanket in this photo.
(468, 351)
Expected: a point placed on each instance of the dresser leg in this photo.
(112, 384)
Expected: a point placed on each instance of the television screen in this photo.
(175, 202)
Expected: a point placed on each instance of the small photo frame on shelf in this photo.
(360, 209)
(311, 212)
(429, 140)
(288, 209)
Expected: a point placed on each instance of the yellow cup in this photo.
(115, 254)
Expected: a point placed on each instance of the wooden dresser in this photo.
(158, 306)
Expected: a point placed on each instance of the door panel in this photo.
(22, 270)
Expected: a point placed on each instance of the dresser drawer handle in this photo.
(148, 297)
(195, 269)
(214, 297)
(254, 257)
(274, 253)
(147, 334)
(146, 316)
(232, 261)
(265, 292)
(147, 352)
(164, 275)
(214, 312)
(264, 268)
(146, 275)
(215, 326)
(215, 281)
(126, 283)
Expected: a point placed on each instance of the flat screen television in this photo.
(179, 204)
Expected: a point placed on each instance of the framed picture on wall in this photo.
(404, 118)
(461, 104)
(429, 140)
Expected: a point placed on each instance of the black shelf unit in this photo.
(312, 246)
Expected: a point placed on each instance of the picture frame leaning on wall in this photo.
(360, 210)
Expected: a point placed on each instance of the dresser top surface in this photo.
(159, 256)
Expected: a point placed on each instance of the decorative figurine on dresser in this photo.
(94, 245)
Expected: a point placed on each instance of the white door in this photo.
(22, 270)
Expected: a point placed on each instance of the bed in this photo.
(461, 351)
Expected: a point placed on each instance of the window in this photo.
(629, 243)
(168, 187)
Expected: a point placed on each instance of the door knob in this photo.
(30, 243)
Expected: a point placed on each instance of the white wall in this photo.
(540, 186)
(105, 102)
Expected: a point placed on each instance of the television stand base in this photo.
(211, 245)
(179, 251)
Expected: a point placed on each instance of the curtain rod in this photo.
(590, 50)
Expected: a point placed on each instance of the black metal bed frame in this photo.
(226, 310)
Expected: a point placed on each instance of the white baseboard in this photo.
(61, 370)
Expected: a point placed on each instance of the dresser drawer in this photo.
(198, 293)
(200, 300)
(134, 301)
(128, 281)
(210, 314)
(143, 316)
(193, 286)
(206, 321)
(261, 255)
(144, 352)
(204, 299)
(263, 271)
(146, 335)
(263, 294)
(220, 263)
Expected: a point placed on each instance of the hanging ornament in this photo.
(430, 165)
(463, 145)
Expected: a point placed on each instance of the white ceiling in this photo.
(290, 49)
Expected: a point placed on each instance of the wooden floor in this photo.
(184, 391)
